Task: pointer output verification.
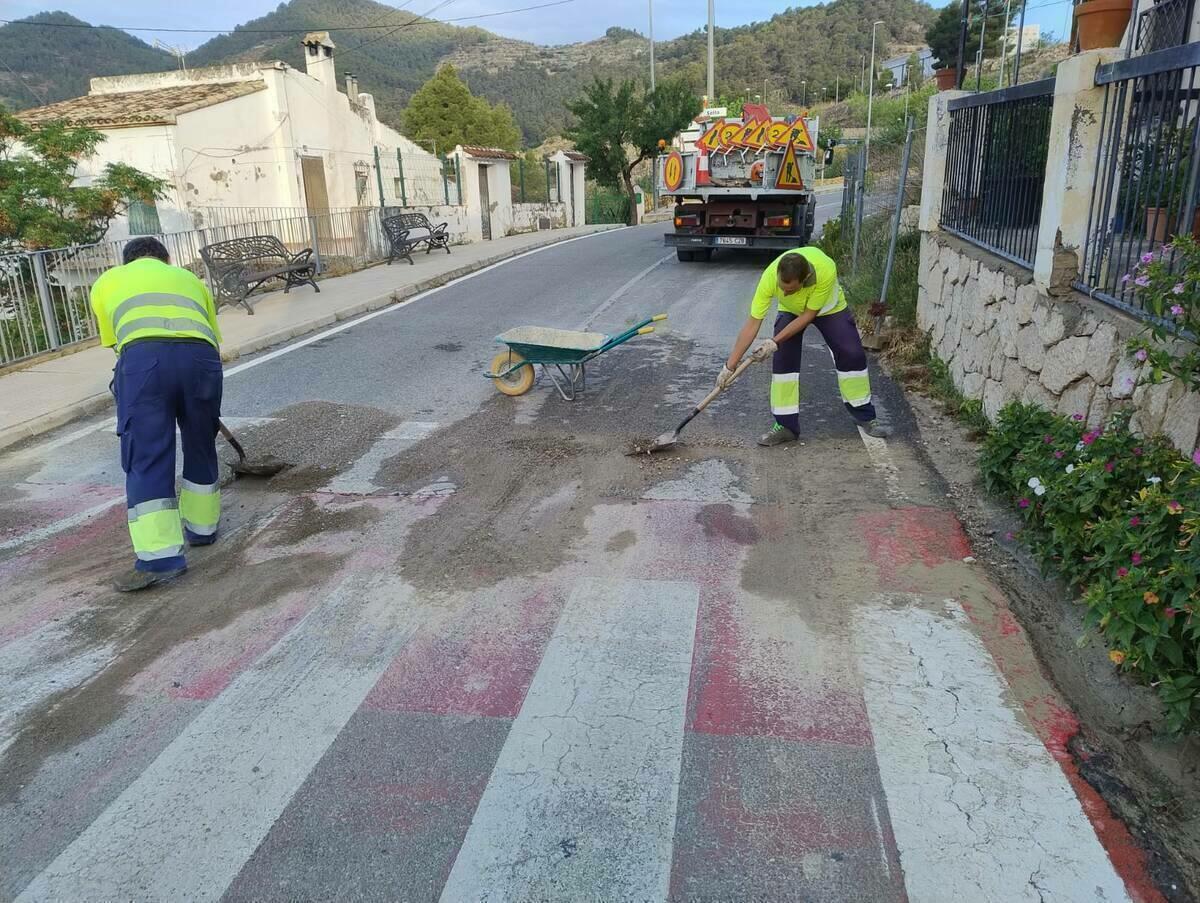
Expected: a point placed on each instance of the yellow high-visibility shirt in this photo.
(825, 295)
(149, 299)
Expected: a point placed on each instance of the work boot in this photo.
(136, 581)
(877, 430)
(777, 435)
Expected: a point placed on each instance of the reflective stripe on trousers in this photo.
(200, 507)
(155, 530)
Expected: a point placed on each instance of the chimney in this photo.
(351, 87)
(318, 58)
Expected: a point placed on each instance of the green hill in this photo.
(813, 44)
(56, 63)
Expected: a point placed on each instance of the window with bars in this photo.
(143, 218)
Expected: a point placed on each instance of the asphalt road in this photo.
(468, 649)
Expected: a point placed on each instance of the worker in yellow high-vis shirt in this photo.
(162, 323)
(804, 285)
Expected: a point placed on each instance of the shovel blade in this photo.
(665, 441)
(262, 467)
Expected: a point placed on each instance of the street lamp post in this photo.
(712, 97)
(837, 85)
(863, 83)
(651, 5)
(870, 96)
(803, 92)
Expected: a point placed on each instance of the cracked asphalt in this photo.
(467, 649)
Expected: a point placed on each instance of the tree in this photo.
(916, 72)
(942, 35)
(620, 126)
(444, 113)
(40, 204)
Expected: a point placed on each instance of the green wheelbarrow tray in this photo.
(563, 353)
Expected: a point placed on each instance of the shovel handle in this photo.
(232, 440)
(719, 389)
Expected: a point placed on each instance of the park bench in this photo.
(407, 231)
(240, 265)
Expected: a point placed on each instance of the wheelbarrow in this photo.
(562, 353)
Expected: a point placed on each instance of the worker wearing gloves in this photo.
(805, 286)
(162, 323)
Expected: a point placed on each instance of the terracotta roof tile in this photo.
(577, 157)
(129, 108)
(489, 153)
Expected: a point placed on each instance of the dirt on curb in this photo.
(1149, 779)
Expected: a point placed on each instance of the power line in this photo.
(28, 87)
(414, 20)
(284, 31)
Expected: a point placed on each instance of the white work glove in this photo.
(764, 351)
(725, 377)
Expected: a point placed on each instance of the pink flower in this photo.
(1148, 257)
(1136, 558)
(1196, 457)
(1176, 310)
(1024, 503)
(1009, 536)
(1141, 354)
(1135, 521)
(1142, 281)
(1059, 454)
(1170, 612)
(1125, 279)
(1047, 439)
(1089, 438)
(1178, 289)
(1137, 452)
(1174, 507)
(1076, 417)
(1122, 572)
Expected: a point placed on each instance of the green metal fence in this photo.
(607, 206)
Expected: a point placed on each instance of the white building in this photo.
(257, 135)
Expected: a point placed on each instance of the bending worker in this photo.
(805, 286)
(162, 323)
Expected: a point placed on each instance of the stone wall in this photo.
(1004, 340)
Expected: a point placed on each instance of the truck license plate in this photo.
(731, 240)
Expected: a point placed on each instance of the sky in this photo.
(580, 20)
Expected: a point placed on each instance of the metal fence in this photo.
(531, 181)
(414, 180)
(44, 294)
(1145, 188)
(1163, 25)
(883, 183)
(996, 168)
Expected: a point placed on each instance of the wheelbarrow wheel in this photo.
(516, 382)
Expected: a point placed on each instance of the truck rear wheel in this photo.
(684, 256)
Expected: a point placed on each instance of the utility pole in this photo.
(863, 83)
(870, 98)
(651, 4)
(1004, 38)
(712, 97)
(1016, 76)
(964, 27)
(979, 56)
(803, 92)
(837, 84)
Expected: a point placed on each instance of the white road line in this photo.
(186, 826)
(59, 526)
(630, 283)
(881, 459)
(42, 448)
(883, 856)
(980, 811)
(581, 803)
(360, 479)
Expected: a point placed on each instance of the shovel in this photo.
(263, 467)
(668, 440)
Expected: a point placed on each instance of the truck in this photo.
(744, 182)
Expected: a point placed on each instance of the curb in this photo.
(94, 404)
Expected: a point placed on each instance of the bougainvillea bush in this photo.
(1118, 516)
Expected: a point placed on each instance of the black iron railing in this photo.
(996, 168)
(1145, 189)
(1163, 25)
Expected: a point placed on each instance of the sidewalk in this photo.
(47, 395)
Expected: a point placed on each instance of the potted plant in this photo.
(942, 37)
(1101, 23)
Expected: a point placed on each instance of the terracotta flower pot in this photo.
(1101, 23)
(947, 79)
(1158, 224)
